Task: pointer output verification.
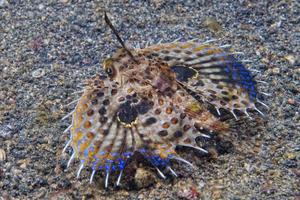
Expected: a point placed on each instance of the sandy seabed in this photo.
(48, 48)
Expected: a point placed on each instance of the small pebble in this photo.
(291, 59)
(144, 178)
(64, 1)
(24, 163)
(158, 3)
(2, 155)
(276, 70)
(290, 155)
(41, 6)
(38, 73)
(212, 24)
(3, 3)
(188, 190)
(291, 101)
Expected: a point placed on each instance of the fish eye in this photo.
(108, 67)
(109, 71)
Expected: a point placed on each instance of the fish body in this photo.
(155, 102)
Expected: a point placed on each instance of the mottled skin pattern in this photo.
(145, 104)
(221, 79)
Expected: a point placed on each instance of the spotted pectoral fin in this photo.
(209, 73)
(225, 83)
(98, 138)
(101, 130)
(112, 122)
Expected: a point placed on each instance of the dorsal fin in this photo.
(108, 22)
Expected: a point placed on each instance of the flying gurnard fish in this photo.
(154, 99)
